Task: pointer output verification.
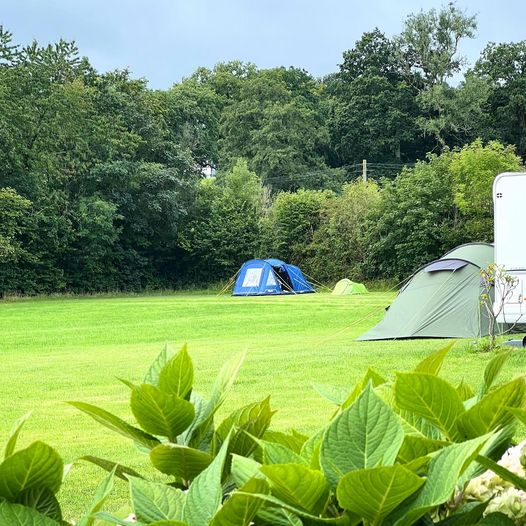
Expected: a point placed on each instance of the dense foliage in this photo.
(400, 451)
(104, 183)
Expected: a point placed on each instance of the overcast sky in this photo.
(166, 40)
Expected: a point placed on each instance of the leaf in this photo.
(374, 493)
(160, 413)
(299, 486)
(240, 509)
(152, 376)
(310, 451)
(467, 515)
(102, 493)
(177, 376)
(277, 517)
(443, 473)
(179, 461)
(153, 501)
(496, 519)
(492, 370)
(465, 391)
(204, 496)
(117, 424)
(365, 435)
(414, 447)
(243, 469)
(491, 412)
(249, 421)
(335, 394)
(431, 398)
(277, 454)
(42, 500)
(370, 376)
(293, 441)
(433, 363)
(122, 472)
(37, 466)
(13, 437)
(222, 385)
(18, 515)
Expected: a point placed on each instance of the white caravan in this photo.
(509, 200)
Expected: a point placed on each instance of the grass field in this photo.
(53, 350)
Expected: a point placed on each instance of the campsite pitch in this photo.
(55, 350)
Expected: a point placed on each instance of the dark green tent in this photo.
(440, 300)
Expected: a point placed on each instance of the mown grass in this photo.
(54, 350)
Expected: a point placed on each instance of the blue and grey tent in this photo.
(261, 277)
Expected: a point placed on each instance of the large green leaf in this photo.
(492, 411)
(433, 363)
(204, 496)
(177, 376)
(292, 440)
(371, 376)
(37, 466)
(374, 493)
(444, 471)
(18, 515)
(243, 469)
(299, 486)
(414, 447)
(153, 501)
(277, 517)
(278, 454)
(13, 436)
(365, 435)
(249, 421)
(241, 508)
(117, 424)
(179, 461)
(310, 450)
(431, 398)
(152, 376)
(160, 413)
(222, 385)
(335, 394)
(43, 500)
(465, 391)
(492, 371)
(102, 493)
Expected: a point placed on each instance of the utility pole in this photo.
(364, 170)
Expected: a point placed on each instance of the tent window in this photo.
(252, 277)
(446, 264)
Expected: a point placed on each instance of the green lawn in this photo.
(54, 350)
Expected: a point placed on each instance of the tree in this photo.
(291, 224)
(339, 245)
(504, 67)
(224, 227)
(473, 169)
(12, 210)
(415, 222)
(430, 42)
(373, 107)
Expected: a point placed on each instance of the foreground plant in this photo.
(176, 424)
(395, 453)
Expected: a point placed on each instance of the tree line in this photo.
(104, 183)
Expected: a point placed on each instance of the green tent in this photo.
(346, 286)
(440, 300)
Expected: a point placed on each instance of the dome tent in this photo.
(441, 299)
(346, 286)
(264, 277)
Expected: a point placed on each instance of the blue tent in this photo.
(261, 277)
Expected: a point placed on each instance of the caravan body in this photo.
(509, 199)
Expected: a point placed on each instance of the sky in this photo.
(167, 40)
